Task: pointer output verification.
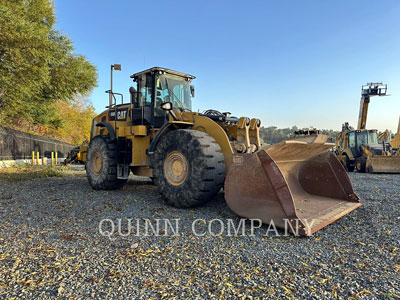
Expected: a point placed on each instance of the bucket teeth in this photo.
(296, 185)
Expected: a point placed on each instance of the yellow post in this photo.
(52, 158)
(33, 158)
(56, 162)
(37, 158)
(43, 161)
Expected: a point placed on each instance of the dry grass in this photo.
(20, 173)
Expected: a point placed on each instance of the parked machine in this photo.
(309, 136)
(360, 149)
(385, 137)
(77, 155)
(192, 155)
(395, 142)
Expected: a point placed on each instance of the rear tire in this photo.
(188, 168)
(101, 164)
(361, 164)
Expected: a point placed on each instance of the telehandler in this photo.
(360, 149)
(190, 156)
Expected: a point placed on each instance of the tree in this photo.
(37, 65)
(72, 121)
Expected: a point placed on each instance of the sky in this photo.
(287, 62)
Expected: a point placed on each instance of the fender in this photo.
(204, 124)
(111, 131)
(167, 127)
(349, 154)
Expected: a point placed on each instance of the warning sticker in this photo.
(238, 160)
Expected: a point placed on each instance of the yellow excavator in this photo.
(385, 137)
(190, 156)
(359, 148)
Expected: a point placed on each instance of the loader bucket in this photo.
(301, 187)
(312, 138)
(383, 164)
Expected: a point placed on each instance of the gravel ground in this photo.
(50, 247)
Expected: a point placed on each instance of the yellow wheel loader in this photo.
(360, 149)
(190, 156)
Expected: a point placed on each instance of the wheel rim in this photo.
(97, 162)
(176, 168)
(358, 165)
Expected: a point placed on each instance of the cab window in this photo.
(162, 94)
(174, 89)
(362, 138)
(146, 90)
(372, 138)
(352, 140)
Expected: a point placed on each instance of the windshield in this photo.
(362, 138)
(367, 137)
(372, 138)
(173, 89)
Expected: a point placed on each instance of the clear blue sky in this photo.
(286, 62)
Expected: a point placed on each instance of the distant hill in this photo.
(273, 134)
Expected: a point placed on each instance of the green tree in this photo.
(37, 64)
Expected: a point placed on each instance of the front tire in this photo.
(188, 168)
(349, 165)
(361, 163)
(101, 164)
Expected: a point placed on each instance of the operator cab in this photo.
(156, 86)
(363, 137)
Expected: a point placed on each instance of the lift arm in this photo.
(368, 90)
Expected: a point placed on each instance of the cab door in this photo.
(143, 110)
(352, 142)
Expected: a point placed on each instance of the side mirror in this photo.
(132, 90)
(166, 106)
(192, 90)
